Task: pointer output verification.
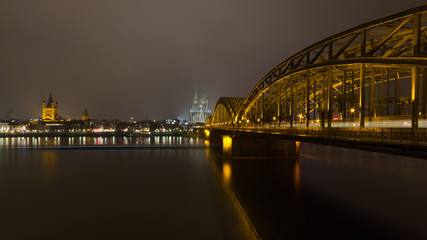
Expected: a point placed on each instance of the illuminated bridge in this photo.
(366, 83)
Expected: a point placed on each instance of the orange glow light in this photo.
(226, 172)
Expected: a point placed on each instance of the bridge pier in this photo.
(257, 146)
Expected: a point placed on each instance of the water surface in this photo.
(331, 193)
(179, 188)
(120, 193)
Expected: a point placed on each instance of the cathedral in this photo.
(50, 110)
(199, 111)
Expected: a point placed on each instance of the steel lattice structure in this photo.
(370, 74)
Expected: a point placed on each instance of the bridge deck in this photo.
(392, 140)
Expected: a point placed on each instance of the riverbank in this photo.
(98, 134)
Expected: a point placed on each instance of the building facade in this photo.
(4, 127)
(199, 111)
(50, 110)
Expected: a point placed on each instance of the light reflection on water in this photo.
(330, 193)
(31, 142)
(326, 192)
(297, 176)
(139, 193)
(49, 164)
(226, 171)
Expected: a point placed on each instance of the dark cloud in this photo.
(145, 58)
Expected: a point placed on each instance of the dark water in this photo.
(185, 191)
(332, 193)
(144, 193)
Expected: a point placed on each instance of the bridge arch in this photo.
(226, 110)
(367, 74)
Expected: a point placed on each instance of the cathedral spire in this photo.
(195, 94)
(50, 102)
(195, 99)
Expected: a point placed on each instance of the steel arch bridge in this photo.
(372, 75)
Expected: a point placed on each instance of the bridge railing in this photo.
(365, 135)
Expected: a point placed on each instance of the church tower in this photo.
(50, 110)
(195, 101)
(85, 116)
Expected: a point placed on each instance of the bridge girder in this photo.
(365, 71)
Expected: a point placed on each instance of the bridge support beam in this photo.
(262, 110)
(330, 96)
(307, 100)
(257, 146)
(416, 35)
(362, 96)
(323, 102)
(414, 97)
(279, 100)
(291, 104)
(344, 95)
(424, 94)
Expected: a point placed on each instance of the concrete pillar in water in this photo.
(257, 146)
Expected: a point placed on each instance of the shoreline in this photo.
(94, 134)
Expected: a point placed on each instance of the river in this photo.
(182, 188)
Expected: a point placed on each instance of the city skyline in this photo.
(12, 115)
(144, 59)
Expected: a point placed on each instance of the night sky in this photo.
(145, 58)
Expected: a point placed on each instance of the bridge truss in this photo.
(368, 76)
